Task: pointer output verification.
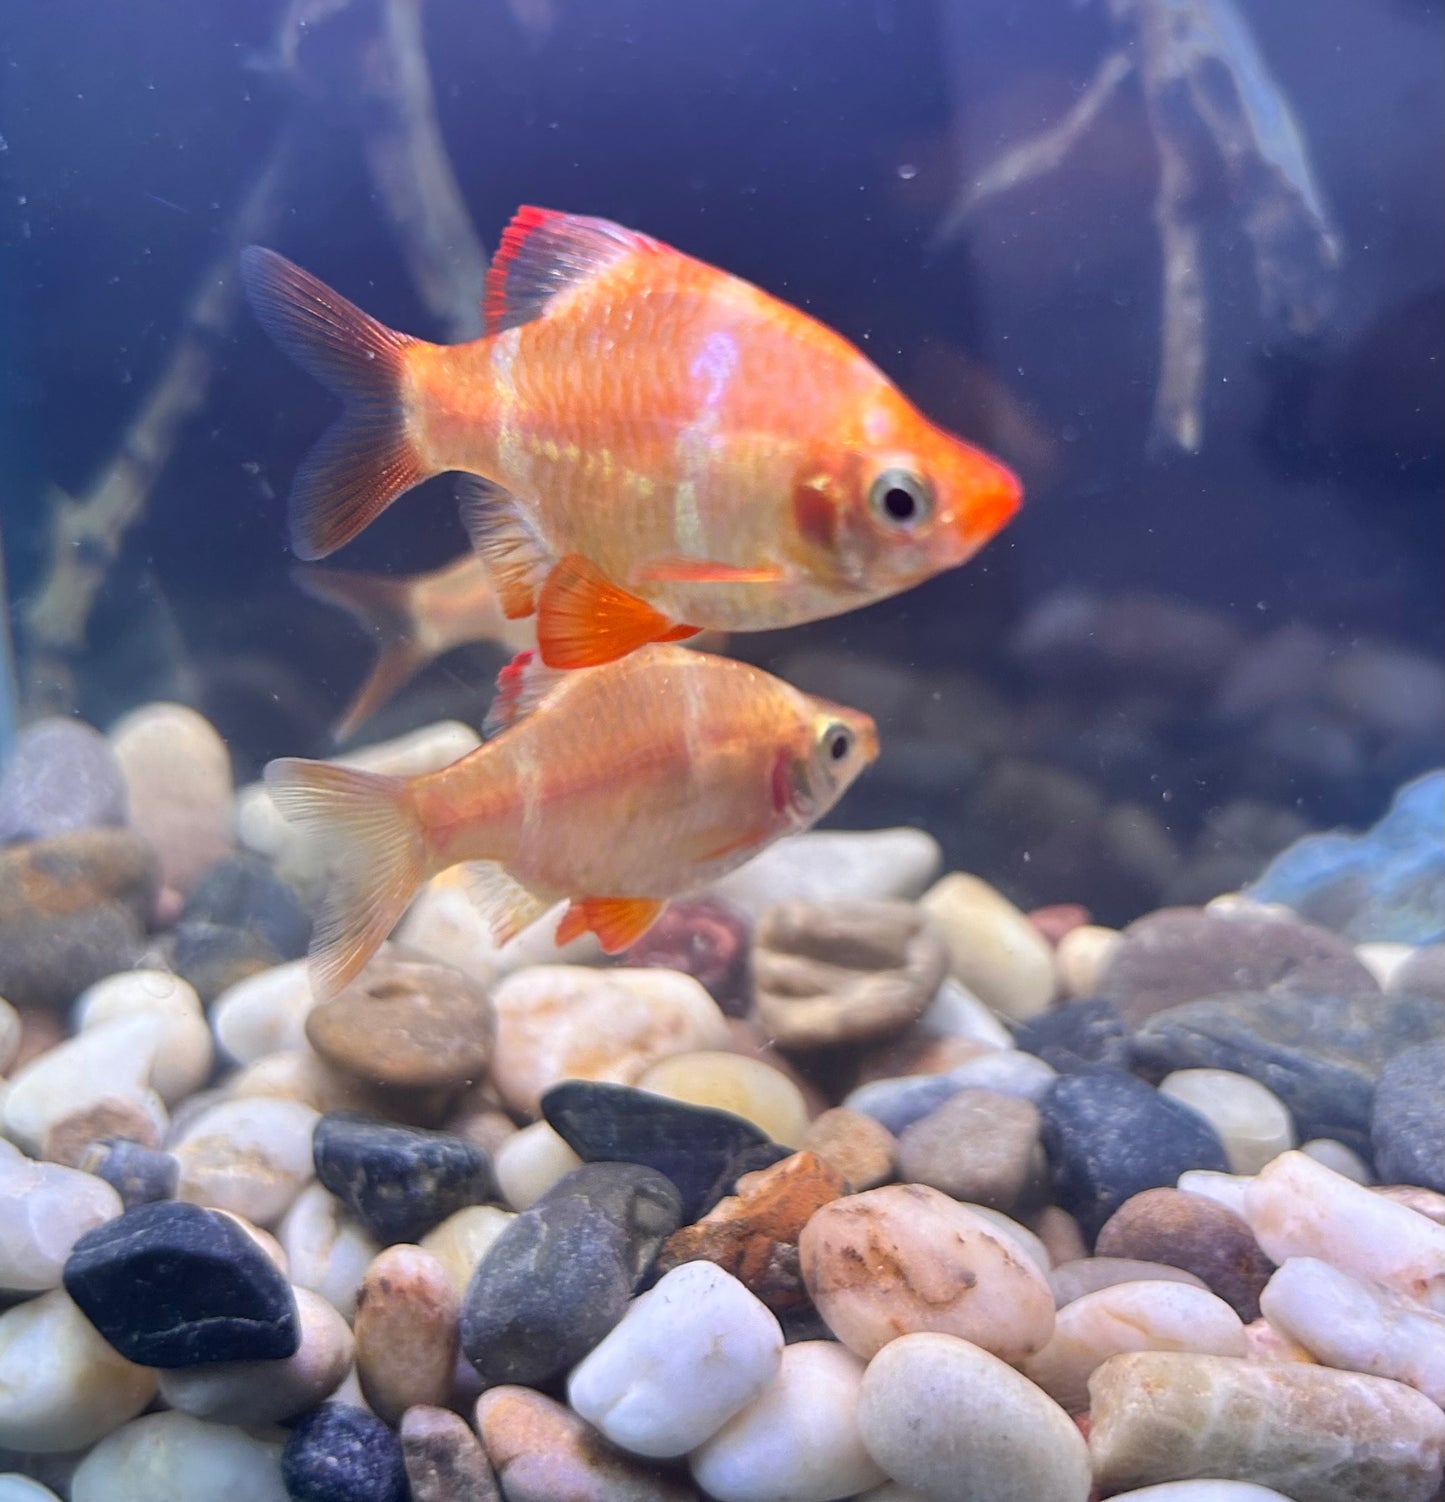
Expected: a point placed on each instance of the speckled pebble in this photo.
(557, 1022)
(959, 1425)
(62, 1386)
(341, 1453)
(44, 1210)
(327, 1250)
(862, 1150)
(732, 1082)
(406, 1332)
(171, 1457)
(252, 1157)
(907, 1258)
(444, 1459)
(249, 1393)
(978, 1146)
(992, 947)
(798, 1439)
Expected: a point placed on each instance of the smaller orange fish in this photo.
(415, 620)
(616, 787)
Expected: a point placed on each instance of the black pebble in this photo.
(213, 957)
(342, 1453)
(692, 1145)
(1077, 1036)
(1109, 1136)
(173, 1285)
(243, 892)
(1408, 1121)
(398, 1181)
(561, 1274)
(140, 1175)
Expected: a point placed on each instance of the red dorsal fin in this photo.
(584, 619)
(514, 556)
(544, 252)
(618, 922)
(521, 687)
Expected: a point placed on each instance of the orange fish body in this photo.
(659, 446)
(643, 779)
(415, 620)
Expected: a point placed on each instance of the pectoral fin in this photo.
(618, 922)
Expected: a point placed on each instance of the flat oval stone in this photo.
(44, 1210)
(341, 1453)
(529, 1162)
(1251, 1121)
(398, 1181)
(265, 1013)
(733, 1082)
(1108, 1136)
(957, 1424)
(61, 1386)
(173, 1285)
(843, 972)
(568, 1022)
(1179, 955)
(406, 1332)
(1407, 1119)
(1152, 1316)
(907, 1258)
(798, 1438)
(1319, 1434)
(1180, 1229)
(978, 1146)
(992, 947)
(692, 1145)
(559, 1277)
(171, 1457)
(543, 1452)
(250, 1156)
(444, 1459)
(252, 1393)
(406, 1022)
(639, 1385)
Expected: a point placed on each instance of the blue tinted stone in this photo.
(174, 1285)
(1407, 1124)
(1077, 1036)
(342, 1453)
(140, 1175)
(243, 892)
(61, 776)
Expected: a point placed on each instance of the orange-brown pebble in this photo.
(753, 1234)
(1059, 1232)
(406, 1332)
(67, 1139)
(1054, 921)
(862, 1150)
(41, 1028)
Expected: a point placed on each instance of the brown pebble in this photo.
(488, 1128)
(67, 1139)
(978, 1146)
(1059, 1232)
(406, 1022)
(826, 973)
(406, 1332)
(917, 1052)
(1195, 1233)
(444, 1459)
(543, 1452)
(754, 1233)
(863, 1151)
(41, 1028)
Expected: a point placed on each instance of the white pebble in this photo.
(955, 1012)
(529, 1162)
(327, 1251)
(171, 1457)
(1029, 1242)
(62, 1386)
(993, 948)
(1225, 1189)
(44, 1210)
(1299, 1208)
(686, 1356)
(1251, 1121)
(183, 1052)
(1343, 1322)
(17, 1488)
(876, 865)
(1335, 1155)
(461, 1241)
(252, 1156)
(10, 1029)
(1203, 1491)
(798, 1440)
(1383, 958)
(1082, 956)
(265, 1013)
(1152, 1316)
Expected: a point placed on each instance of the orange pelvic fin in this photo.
(515, 558)
(368, 457)
(584, 619)
(707, 571)
(618, 922)
(368, 827)
(521, 687)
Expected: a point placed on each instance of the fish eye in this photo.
(837, 741)
(901, 498)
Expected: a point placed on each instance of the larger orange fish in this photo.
(617, 788)
(660, 447)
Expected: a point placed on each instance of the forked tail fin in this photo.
(368, 457)
(377, 849)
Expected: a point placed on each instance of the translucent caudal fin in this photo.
(377, 853)
(368, 457)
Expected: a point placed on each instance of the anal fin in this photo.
(618, 922)
(516, 559)
(508, 905)
(584, 619)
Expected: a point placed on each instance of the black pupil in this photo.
(838, 746)
(900, 504)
